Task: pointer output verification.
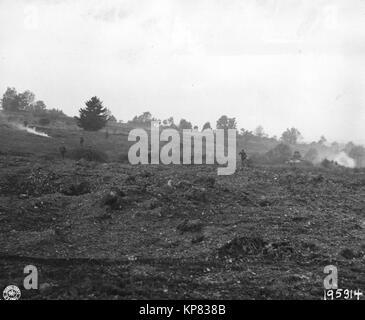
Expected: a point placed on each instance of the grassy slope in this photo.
(18, 142)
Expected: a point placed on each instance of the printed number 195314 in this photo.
(342, 294)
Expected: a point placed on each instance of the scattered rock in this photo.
(113, 199)
(156, 212)
(104, 216)
(184, 184)
(45, 287)
(76, 189)
(82, 162)
(240, 246)
(296, 278)
(190, 226)
(278, 249)
(350, 254)
(209, 182)
(310, 246)
(317, 179)
(150, 203)
(197, 194)
(197, 238)
(145, 174)
(142, 271)
(264, 202)
(130, 179)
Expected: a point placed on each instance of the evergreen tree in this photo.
(94, 117)
(207, 126)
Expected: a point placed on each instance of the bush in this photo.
(328, 164)
(257, 158)
(44, 121)
(278, 155)
(88, 154)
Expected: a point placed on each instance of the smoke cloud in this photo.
(18, 126)
(30, 130)
(344, 160)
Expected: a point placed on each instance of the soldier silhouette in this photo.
(63, 151)
(243, 157)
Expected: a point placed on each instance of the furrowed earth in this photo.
(116, 231)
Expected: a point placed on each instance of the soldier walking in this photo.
(63, 151)
(243, 157)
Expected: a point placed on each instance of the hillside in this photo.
(64, 130)
(112, 230)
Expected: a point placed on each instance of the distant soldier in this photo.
(63, 151)
(297, 156)
(295, 159)
(25, 123)
(81, 141)
(89, 153)
(243, 157)
(106, 134)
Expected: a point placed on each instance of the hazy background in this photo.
(275, 63)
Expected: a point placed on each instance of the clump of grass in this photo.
(88, 154)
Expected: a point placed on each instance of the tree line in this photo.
(13, 101)
(94, 116)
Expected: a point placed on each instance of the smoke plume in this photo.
(344, 160)
(30, 130)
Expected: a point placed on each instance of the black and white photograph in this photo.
(190, 151)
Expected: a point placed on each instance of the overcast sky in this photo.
(274, 63)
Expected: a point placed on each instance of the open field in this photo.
(112, 230)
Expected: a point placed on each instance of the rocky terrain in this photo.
(116, 231)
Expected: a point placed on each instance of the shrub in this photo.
(328, 164)
(277, 155)
(257, 158)
(44, 121)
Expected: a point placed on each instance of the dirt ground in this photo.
(116, 231)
